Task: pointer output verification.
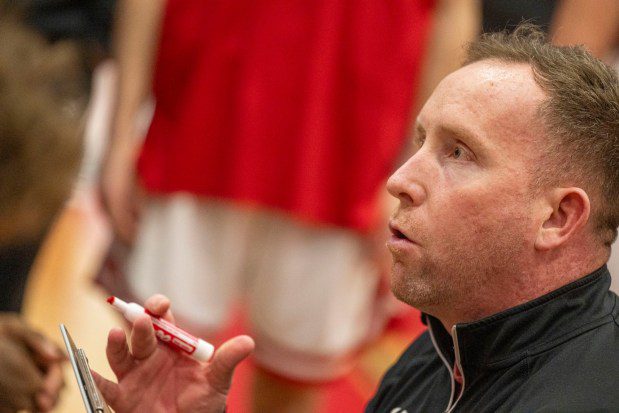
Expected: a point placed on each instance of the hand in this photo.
(154, 378)
(119, 190)
(31, 368)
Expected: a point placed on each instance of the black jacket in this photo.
(557, 353)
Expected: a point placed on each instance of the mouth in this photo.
(397, 233)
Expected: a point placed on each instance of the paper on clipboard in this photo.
(93, 401)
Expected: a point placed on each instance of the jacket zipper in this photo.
(449, 368)
(454, 334)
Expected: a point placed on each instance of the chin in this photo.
(422, 300)
(409, 289)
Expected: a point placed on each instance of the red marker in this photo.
(167, 332)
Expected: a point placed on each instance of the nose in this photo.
(405, 184)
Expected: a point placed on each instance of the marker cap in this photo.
(204, 351)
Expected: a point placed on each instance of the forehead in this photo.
(496, 102)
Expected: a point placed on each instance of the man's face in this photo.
(464, 220)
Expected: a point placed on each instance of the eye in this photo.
(419, 141)
(457, 153)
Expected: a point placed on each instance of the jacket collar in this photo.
(505, 338)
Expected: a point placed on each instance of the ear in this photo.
(568, 211)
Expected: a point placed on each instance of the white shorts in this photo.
(309, 290)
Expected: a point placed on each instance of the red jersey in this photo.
(296, 105)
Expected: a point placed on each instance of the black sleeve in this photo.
(392, 378)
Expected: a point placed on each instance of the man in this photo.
(506, 213)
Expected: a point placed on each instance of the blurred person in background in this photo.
(43, 99)
(499, 15)
(85, 22)
(596, 26)
(40, 106)
(265, 114)
(87, 25)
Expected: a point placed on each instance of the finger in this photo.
(117, 352)
(44, 402)
(44, 349)
(20, 378)
(51, 355)
(52, 383)
(226, 358)
(159, 305)
(16, 362)
(143, 341)
(109, 390)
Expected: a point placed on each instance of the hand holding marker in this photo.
(167, 332)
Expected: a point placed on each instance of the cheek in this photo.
(467, 217)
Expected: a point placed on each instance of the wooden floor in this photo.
(60, 291)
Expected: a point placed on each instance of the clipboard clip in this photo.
(93, 401)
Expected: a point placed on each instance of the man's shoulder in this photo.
(420, 351)
(419, 374)
(582, 372)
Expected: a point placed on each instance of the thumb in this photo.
(225, 360)
(109, 390)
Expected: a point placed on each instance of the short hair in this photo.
(580, 114)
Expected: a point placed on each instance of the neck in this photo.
(545, 274)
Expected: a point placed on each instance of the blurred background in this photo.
(232, 156)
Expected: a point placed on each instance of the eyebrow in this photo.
(467, 136)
